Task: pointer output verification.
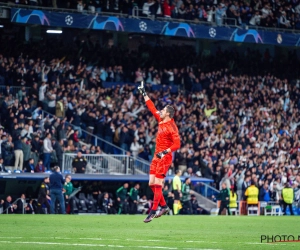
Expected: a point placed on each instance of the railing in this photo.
(15, 202)
(13, 90)
(135, 14)
(95, 140)
(206, 190)
(107, 164)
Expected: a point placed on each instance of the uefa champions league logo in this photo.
(69, 20)
(212, 32)
(143, 26)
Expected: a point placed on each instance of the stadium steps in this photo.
(204, 202)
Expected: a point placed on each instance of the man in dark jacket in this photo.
(224, 197)
(2, 167)
(29, 166)
(56, 190)
(20, 205)
(79, 164)
(58, 150)
(43, 196)
(8, 206)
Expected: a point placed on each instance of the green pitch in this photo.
(129, 232)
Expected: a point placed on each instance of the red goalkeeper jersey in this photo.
(167, 136)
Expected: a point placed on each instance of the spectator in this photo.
(26, 151)
(79, 164)
(146, 7)
(135, 148)
(2, 166)
(9, 206)
(284, 22)
(56, 187)
(21, 205)
(47, 151)
(107, 204)
(142, 205)
(255, 19)
(30, 209)
(195, 206)
(29, 166)
(18, 151)
(265, 193)
(220, 13)
(40, 168)
(7, 148)
(59, 150)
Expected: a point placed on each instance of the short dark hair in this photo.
(171, 111)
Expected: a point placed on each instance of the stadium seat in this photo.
(267, 208)
(92, 204)
(233, 210)
(254, 211)
(276, 210)
(82, 203)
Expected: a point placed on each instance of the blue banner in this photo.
(77, 20)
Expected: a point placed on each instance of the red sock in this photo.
(162, 201)
(152, 188)
(157, 196)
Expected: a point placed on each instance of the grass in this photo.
(129, 232)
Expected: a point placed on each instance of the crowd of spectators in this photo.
(280, 14)
(233, 125)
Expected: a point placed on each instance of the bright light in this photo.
(1, 26)
(54, 31)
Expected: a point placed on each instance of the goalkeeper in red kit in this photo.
(167, 141)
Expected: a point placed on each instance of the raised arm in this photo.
(149, 103)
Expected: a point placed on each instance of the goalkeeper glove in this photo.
(141, 88)
(160, 155)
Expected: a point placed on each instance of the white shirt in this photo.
(47, 146)
(52, 101)
(42, 91)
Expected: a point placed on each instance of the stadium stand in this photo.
(268, 14)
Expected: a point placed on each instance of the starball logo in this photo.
(279, 238)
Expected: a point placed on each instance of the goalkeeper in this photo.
(167, 141)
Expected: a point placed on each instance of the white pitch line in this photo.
(103, 239)
(99, 245)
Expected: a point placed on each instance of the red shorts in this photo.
(160, 167)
